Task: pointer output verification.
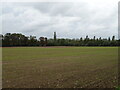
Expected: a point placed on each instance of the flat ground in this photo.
(71, 67)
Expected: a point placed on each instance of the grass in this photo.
(60, 67)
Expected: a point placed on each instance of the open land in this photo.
(58, 67)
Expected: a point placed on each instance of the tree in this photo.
(94, 38)
(55, 36)
(113, 38)
(18, 39)
(109, 39)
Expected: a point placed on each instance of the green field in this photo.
(60, 67)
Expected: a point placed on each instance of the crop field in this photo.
(60, 67)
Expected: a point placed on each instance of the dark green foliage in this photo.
(16, 39)
(54, 35)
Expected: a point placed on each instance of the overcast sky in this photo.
(69, 19)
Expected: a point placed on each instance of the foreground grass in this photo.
(71, 67)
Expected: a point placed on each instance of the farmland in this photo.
(60, 67)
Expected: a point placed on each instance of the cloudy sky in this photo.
(69, 19)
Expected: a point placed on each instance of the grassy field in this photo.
(60, 67)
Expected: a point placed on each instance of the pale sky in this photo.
(69, 19)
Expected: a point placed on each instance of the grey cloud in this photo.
(70, 20)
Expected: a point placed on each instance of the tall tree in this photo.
(113, 38)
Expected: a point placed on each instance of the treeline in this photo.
(16, 39)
